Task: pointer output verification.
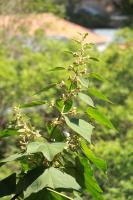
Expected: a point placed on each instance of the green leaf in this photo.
(86, 99)
(98, 94)
(99, 117)
(91, 184)
(8, 132)
(64, 106)
(47, 194)
(96, 76)
(68, 105)
(12, 158)
(8, 185)
(84, 82)
(101, 164)
(49, 150)
(94, 58)
(33, 104)
(71, 85)
(52, 178)
(81, 127)
(59, 104)
(58, 69)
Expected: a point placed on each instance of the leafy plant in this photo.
(58, 162)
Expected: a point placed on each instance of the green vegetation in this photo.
(19, 83)
(58, 157)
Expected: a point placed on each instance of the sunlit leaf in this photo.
(81, 127)
(99, 117)
(12, 158)
(52, 178)
(49, 150)
(86, 99)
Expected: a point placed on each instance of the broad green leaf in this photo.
(99, 117)
(86, 99)
(8, 132)
(101, 164)
(81, 127)
(46, 88)
(49, 150)
(96, 76)
(84, 82)
(98, 94)
(90, 182)
(58, 69)
(33, 104)
(52, 178)
(12, 158)
(8, 185)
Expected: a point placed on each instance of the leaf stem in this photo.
(63, 195)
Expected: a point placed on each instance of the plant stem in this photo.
(63, 195)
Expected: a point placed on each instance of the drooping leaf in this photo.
(12, 158)
(86, 99)
(81, 127)
(96, 76)
(49, 150)
(58, 69)
(100, 163)
(52, 178)
(8, 185)
(98, 94)
(99, 117)
(8, 132)
(46, 88)
(33, 104)
(91, 184)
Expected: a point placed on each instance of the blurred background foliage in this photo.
(24, 65)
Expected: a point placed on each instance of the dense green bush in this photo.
(117, 147)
